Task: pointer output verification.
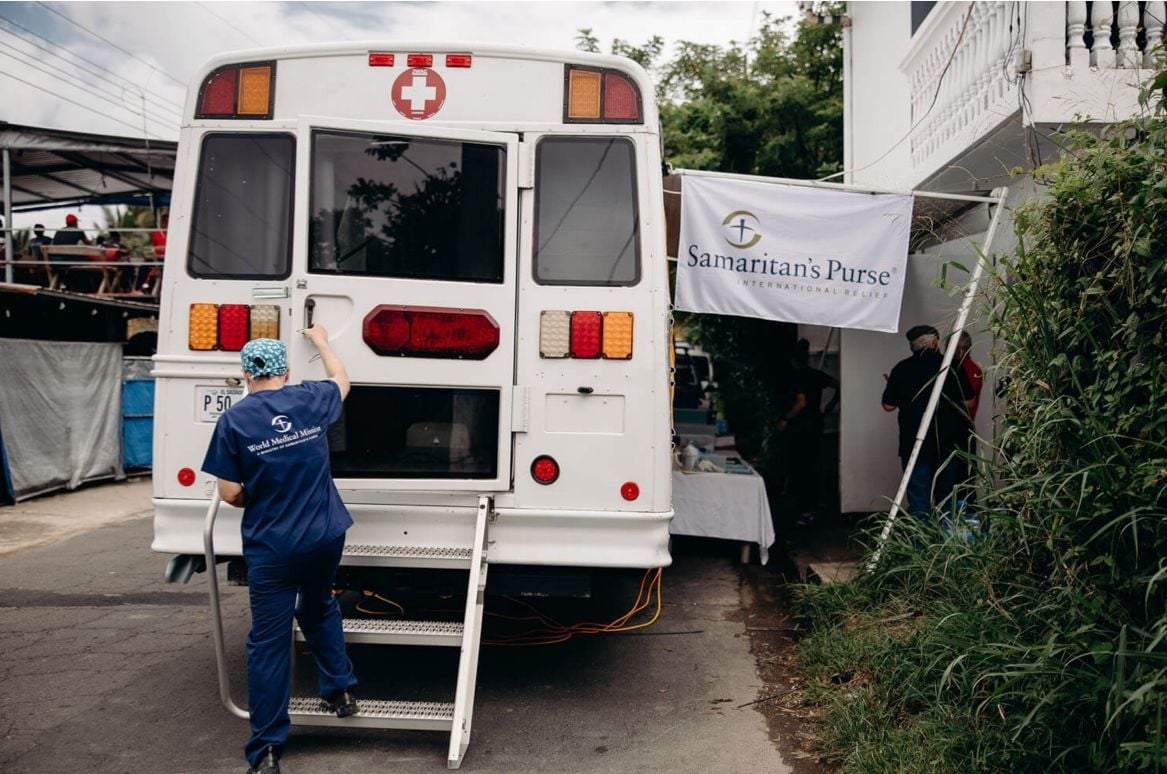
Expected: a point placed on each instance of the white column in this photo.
(1077, 55)
(1128, 29)
(1103, 53)
(1153, 17)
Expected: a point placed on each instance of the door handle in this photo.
(309, 308)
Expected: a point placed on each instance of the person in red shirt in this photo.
(976, 377)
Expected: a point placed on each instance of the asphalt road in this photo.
(105, 668)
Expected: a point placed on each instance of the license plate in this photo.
(210, 402)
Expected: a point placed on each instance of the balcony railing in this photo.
(968, 62)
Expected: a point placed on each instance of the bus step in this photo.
(400, 632)
(376, 713)
(408, 556)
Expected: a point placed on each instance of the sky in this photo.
(123, 67)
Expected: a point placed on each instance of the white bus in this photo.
(481, 230)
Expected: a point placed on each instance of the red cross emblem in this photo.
(418, 93)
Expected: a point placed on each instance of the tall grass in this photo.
(1041, 643)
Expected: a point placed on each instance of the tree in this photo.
(774, 107)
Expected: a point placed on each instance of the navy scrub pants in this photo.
(273, 583)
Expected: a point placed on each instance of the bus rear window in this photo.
(416, 432)
(242, 225)
(390, 206)
(586, 224)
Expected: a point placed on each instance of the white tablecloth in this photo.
(732, 506)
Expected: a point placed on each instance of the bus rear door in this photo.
(406, 253)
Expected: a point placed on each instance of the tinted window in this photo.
(242, 223)
(411, 432)
(406, 207)
(586, 225)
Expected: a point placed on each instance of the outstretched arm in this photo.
(333, 368)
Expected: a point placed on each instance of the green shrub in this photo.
(1041, 645)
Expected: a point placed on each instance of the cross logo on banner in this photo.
(418, 93)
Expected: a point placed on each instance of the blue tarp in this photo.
(138, 423)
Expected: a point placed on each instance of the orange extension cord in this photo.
(551, 632)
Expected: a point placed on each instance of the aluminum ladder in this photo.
(453, 717)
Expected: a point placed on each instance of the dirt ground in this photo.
(795, 726)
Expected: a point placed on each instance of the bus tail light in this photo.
(588, 335)
(426, 331)
(621, 100)
(587, 331)
(600, 96)
(629, 490)
(229, 326)
(238, 91)
(545, 469)
(186, 477)
(234, 326)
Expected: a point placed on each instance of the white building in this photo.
(963, 97)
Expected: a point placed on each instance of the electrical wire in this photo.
(72, 101)
(206, 7)
(374, 595)
(552, 633)
(920, 120)
(101, 37)
(57, 48)
(88, 88)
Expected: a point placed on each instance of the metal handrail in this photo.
(216, 608)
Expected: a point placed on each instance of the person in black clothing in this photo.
(70, 234)
(908, 389)
(802, 427)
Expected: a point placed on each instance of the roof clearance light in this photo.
(420, 60)
(629, 490)
(583, 95)
(422, 331)
(554, 333)
(203, 326)
(621, 98)
(586, 334)
(265, 322)
(545, 469)
(217, 95)
(617, 335)
(380, 60)
(255, 90)
(234, 325)
(457, 60)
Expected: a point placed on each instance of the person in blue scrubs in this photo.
(270, 454)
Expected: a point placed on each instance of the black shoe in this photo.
(268, 764)
(343, 704)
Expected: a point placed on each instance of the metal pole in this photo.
(8, 254)
(938, 384)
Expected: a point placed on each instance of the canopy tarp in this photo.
(56, 168)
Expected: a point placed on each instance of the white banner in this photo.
(819, 256)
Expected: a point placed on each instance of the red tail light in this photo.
(420, 60)
(422, 331)
(457, 60)
(629, 490)
(218, 94)
(380, 60)
(234, 326)
(545, 469)
(186, 477)
(586, 334)
(621, 100)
